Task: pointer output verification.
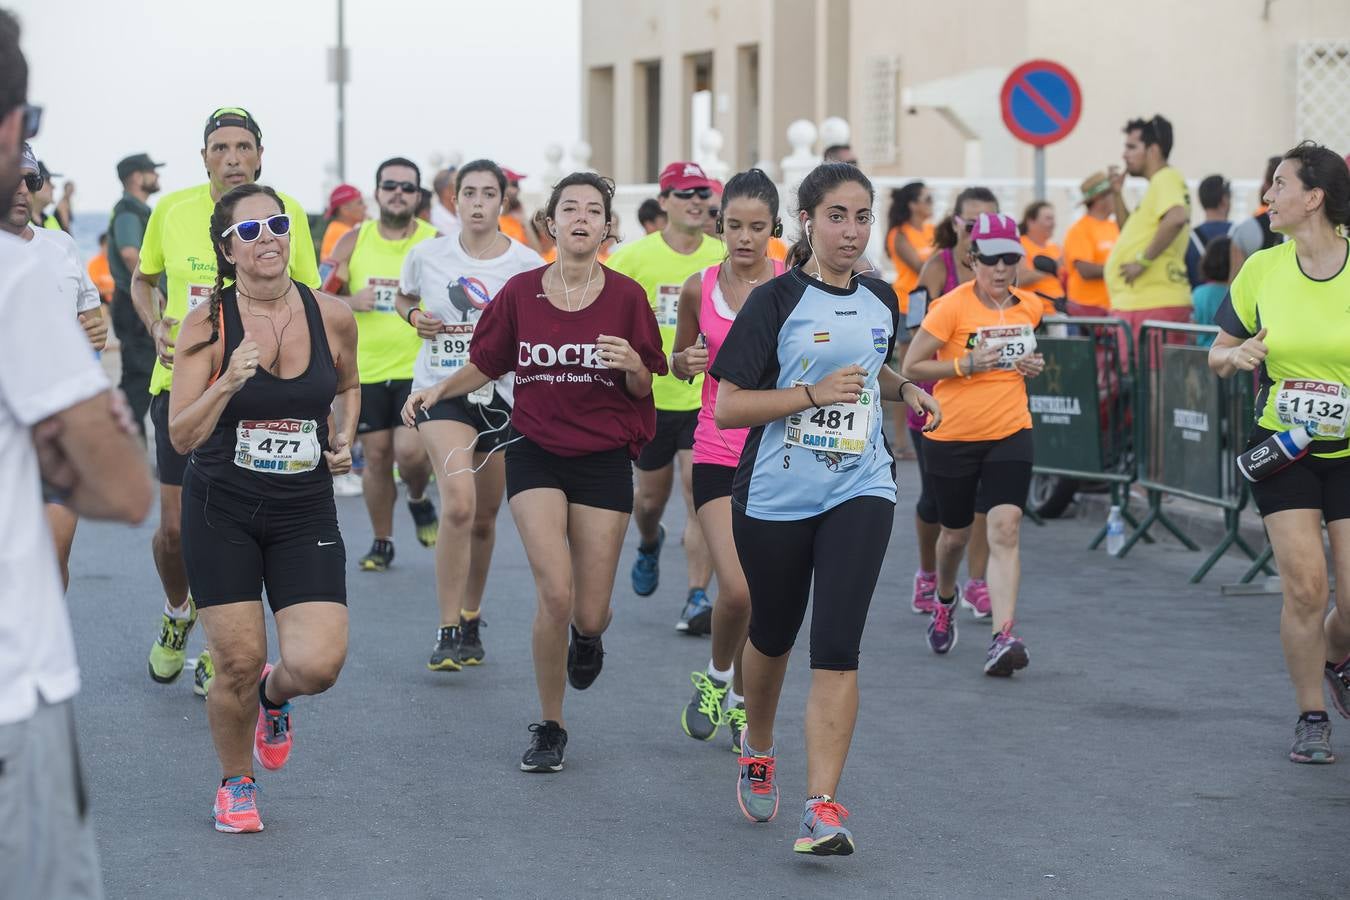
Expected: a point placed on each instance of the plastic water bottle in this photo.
(1115, 531)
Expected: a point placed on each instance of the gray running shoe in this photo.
(1312, 742)
(703, 715)
(823, 832)
(756, 790)
(735, 719)
(1338, 679)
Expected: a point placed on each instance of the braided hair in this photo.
(221, 219)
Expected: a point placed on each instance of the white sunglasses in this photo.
(250, 230)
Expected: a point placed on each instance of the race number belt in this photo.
(668, 304)
(278, 446)
(386, 289)
(1322, 406)
(837, 428)
(1013, 342)
(197, 294)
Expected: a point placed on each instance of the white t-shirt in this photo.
(61, 257)
(45, 367)
(445, 221)
(456, 287)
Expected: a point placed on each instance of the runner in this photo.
(1040, 271)
(982, 335)
(346, 210)
(59, 257)
(177, 257)
(709, 303)
(126, 230)
(660, 262)
(811, 340)
(909, 239)
(1285, 319)
(944, 271)
(263, 361)
(566, 331)
(445, 286)
(364, 271)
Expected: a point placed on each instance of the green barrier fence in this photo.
(1082, 405)
(1191, 425)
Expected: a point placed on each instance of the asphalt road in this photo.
(1142, 754)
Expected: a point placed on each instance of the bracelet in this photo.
(956, 367)
(410, 312)
(903, 382)
(1143, 260)
(807, 388)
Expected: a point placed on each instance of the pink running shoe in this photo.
(272, 737)
(925, 593)
(976, 598)
(236, 808)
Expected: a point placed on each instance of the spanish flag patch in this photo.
(822, 337)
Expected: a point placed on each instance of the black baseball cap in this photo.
(137, 162)
(46, 173)
(231, 116)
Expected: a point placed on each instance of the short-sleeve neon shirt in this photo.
(386, 345)
(1164, 282)
(661, 271)
(1308, 324)
(177, 245)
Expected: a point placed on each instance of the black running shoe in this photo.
(470, 644)
(445, 658)
(585, 658)
(426, 521)
(380, 557)
(548, 740)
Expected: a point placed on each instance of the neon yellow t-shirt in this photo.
(661, 271)
(1309, 331)
(386, 346)
(178, 244)
(1164, 282)
(51, 222)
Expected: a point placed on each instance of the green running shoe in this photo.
(168, 654)
(703, 714)
(203, 674)
(425, 518)
(735, 718)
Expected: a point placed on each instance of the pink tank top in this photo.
(913, 420)
(712, 444)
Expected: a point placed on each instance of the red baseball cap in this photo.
(513, 176)
(343, 193)
(683, 176)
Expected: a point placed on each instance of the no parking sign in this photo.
(1041, 104)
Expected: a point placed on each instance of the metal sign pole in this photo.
(341, 76)
(1040, 173)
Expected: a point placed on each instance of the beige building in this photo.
(919, 80)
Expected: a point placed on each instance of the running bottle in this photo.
(1274, 453)
(1115, 531)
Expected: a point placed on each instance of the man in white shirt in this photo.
(443, 214)
(57, 254)
(58, 422)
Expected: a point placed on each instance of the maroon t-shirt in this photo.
(566, 400)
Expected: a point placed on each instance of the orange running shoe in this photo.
(236, 809)
(272, 737)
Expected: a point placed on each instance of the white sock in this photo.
(182, 613)
(714, 672)
(734, 699)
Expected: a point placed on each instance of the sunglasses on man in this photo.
(250, 230)
(32, 121)
(34, 182)
(406, 187)
(702, 193)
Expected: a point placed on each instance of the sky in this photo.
(428, 79)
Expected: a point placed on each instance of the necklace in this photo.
(246, 294)
(275, 366)
(740, 301)
(479, 256)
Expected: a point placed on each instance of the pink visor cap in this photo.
(995, 234)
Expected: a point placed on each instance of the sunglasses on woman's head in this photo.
(702, 193)
(250, 230)
(1008, 259)
(406, 187)
(34, 182)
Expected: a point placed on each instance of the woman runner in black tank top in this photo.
(263, 362)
